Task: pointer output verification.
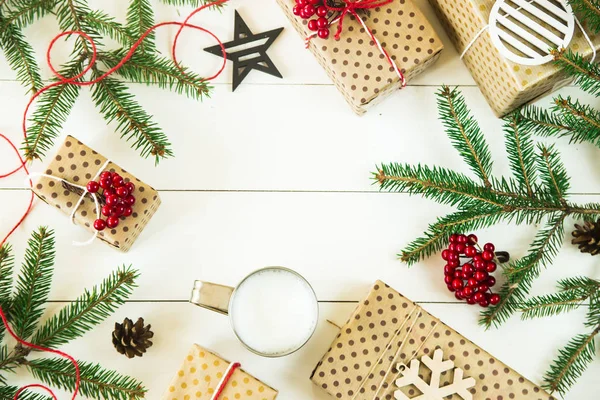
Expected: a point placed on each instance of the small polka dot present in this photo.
(206, 376)
(391, 348)
(97, 194)
(506, 45)
(369, 48)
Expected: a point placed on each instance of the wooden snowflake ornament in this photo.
(433, 390)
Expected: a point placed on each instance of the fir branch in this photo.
(553, 172)
(53, 108)
(117, 104)
(553, 304)
(6, 282)
(96, 382)
(587, 74)
(521, 273)
(71, 17)
(9, 392)
(105, 24)
(34, 282)
(543, 122)
(590, 10)
(25, 12)
(464, 132)
(583, 119)
(88, 310)
(572, 361)
(582, 285)
(157, 71)
(20, 56)
(140, 17)
(521, 153)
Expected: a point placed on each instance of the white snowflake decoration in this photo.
(432, 390)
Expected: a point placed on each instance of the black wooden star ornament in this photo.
(248, 51)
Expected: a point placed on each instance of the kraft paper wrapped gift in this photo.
(201, 373)
(355, 64)
(505, 84)
(76, 163)
(359, 365)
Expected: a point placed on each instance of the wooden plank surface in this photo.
(278, 173)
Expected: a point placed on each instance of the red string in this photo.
(74, 80)
(223, 383)
(350, 7)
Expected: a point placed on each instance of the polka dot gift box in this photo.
(126, 212)
(387, 334)
(201, 373)
(506, 84)
(357, 67)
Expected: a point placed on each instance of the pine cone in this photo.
(587, 237)
(132, 339)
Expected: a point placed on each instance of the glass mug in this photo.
(273, 311)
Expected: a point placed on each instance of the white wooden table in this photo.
(255, 184)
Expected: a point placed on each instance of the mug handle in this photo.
(211, 296)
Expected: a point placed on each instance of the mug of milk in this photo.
(273, 311)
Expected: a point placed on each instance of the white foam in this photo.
(274, 311)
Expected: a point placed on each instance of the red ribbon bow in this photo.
(351, 6)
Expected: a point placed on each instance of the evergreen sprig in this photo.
(9, 392)
(536, 193)
(24, 305)
(112, 97)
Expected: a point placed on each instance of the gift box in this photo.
(505, 84)
(355, 64)
(201, 373)
(77, 164)
(386, 331)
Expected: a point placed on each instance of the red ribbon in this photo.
(230, 370)
(350, 8)
(74, 80)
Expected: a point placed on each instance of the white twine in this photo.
(587, 38)
(85, 192)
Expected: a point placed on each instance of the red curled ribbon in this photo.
(350, 8)
(74, 80)
(62, 80)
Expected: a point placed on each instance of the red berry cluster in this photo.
(119, 198)
(471, 280)
(307, 9)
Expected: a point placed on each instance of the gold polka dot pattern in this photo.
(355, 64)
(201, 373)
(505, 85)
(386, 324)
(77, 163)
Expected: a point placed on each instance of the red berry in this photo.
(297, 10)
(484, 303)
(106, 175)
(450, 288)
(453, 256)
(462, 239)
(454, 263)
(454, 238)
(314, 2)
(312, 25)
(471, 300)
(108, 192)
(117, 181)
(477, 257)
(470, 251)
(457, 284)
(128, 211)
(112, 222)
(483, 288)
(445, 254)
(112, 200)
(457, 274)
(468, 268)
(130, 186)
(460, 248)
(105, 183)
(122, 192)
(129, 200)
(99, 224)
(489, 247)
(323, 33)
(459, 295)
(448, 270)
(472, 239)
(480, 265)
(119, 210)
(93, 187)
(494, 299)
(490, 281)
(322, 22)
(487, 255)
(448, 279)
(322, 11)
(468, 291)
(478, 297)
(452, 246)
(480, 276)
(490, 266)
(472, 282)
(309, 10)
(302, 2)
(107, 210)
